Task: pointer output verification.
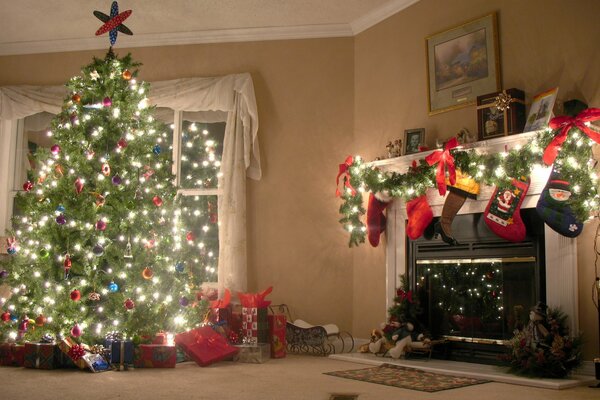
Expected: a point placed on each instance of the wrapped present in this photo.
(81, 357)
(501, 113)
(121, 352)
(256, 354)
(155, 356)
(277, 325)
(221, 308)
(255, 325)
(42, 356)
(205, 346)
(12, 355)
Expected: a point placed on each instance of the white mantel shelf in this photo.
(561, 252)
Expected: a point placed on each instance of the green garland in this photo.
(574, 162)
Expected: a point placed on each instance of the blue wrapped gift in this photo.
(121, 352)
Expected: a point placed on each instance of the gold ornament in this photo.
(76, 98)
(126, 75)
(502, 101)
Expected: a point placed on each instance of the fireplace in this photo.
(555, 255)
(477, 293)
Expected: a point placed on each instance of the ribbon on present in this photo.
(255, 299)
(76, 352)
(221, 303)
(565, 124)
(405, 295)
(444, 159)
(343, 170)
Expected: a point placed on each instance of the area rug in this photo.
(407, 378)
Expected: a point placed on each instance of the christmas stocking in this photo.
(419, 216)
(375, 217)
(503, 211)
(464, 187)
(553, 207)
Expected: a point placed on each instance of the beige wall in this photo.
(543, 43)
(320, 100)
(304, 90)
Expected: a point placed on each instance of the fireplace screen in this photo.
(481, 300)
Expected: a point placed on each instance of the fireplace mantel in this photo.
(561, 252)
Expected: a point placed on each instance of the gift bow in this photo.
(214, 340)
(405, 295)
(255, 299)
(565, 123)
(221, 303)
(444, 159)
(344, 171)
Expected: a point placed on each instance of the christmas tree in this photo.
(99, 242)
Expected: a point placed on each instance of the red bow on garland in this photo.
(405, 295)
(565, 124)
(344, 171)
(443, 158)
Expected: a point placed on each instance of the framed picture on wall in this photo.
(541, 110)
(413, 139)
(462, 63)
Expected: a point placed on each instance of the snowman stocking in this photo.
(503, 211)
(553, 207)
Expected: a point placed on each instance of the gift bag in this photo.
(277, 326)
(255, 324)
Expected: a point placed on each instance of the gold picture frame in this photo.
(463, 62)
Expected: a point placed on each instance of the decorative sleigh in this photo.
(305, 338)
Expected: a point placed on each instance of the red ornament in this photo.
(5, 316)
(105, 169)
(76, 98)
(67, 263)
(107, 102)
(129, 304)
(100, 225)
(55, 149)
(78, 185)
(75, 295)
(40, 320)
(189, 236)
(76, 351)
(76, 331)
(157, 201)
(27, 186)
(147, 273)
(122, 143)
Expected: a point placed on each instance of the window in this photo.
(196, 147)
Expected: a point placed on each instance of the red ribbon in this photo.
(255, 299)
(214, 340)
(405, 295)
(76, 352)
(565, 123)
(444, 159)
(344, 171)
(222, 303)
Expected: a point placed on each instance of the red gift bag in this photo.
(205, 346)
(277, 323)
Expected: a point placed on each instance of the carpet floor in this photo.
(291, 378)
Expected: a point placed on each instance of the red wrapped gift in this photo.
(277, 323)
(205, 346)
(155, 356)
(12, 355)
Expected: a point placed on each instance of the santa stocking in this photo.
(419, 216)
(375, 217)
(503, 211)
(553, 207)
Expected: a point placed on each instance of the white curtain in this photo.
(231, 94)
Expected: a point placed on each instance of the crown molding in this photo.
(379, 14)
(183, 38)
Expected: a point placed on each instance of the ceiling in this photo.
(42, 26)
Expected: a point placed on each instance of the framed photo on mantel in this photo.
(462, 63)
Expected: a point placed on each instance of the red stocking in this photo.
(503, 212)
(375, 219)
(419, 216)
